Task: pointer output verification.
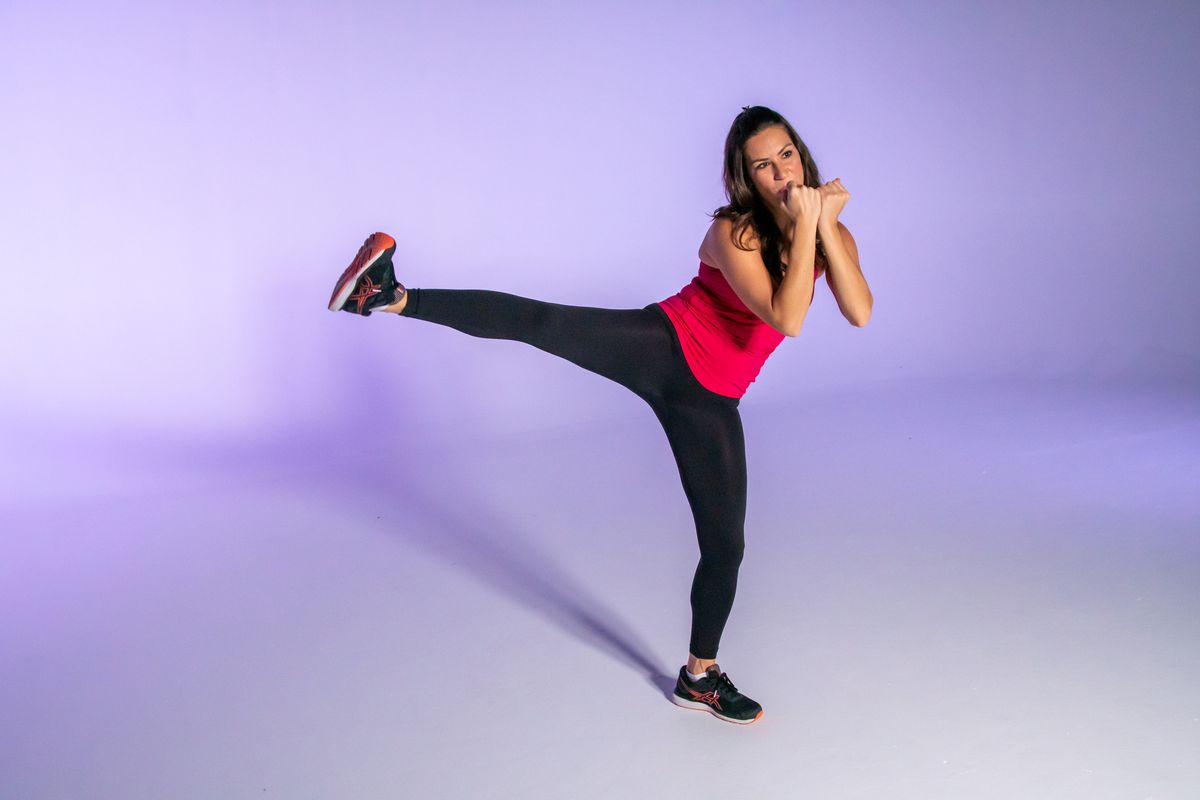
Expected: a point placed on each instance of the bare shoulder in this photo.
(719, 238)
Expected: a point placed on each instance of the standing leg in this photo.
(638, 349)
(705, 433)
(629, 346)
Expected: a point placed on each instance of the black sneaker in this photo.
(370, 280)
(716, 694)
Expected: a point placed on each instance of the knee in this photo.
(723, 550)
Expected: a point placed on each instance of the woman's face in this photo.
(773, 161)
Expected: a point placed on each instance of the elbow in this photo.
(791, 330)
(791, 327)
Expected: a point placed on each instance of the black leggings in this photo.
(639, 349)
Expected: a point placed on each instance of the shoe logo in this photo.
(366, 289)
(709, 697)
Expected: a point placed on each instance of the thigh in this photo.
(633, 347)
(707, 440)
(628, 346)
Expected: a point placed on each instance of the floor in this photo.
(950, 590)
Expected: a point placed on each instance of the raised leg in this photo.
(629, 346)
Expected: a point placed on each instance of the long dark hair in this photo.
(746, 208)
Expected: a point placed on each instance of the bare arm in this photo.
(783, 308)
(844, 276)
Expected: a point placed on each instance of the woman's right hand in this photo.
(803, 205)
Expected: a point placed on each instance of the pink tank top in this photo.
(723, 341)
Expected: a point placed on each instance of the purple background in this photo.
(183, 185)
(221, 501)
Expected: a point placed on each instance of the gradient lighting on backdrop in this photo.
(252, 545)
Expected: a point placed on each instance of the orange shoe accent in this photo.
(375, 245)
(710, 697)
(366, 290)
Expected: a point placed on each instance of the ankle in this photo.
(399, 304)
(696, 666)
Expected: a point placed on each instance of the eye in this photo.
(787, 153)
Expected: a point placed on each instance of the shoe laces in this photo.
(389, 288)
(724, 679)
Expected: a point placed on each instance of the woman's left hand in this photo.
(833, 199)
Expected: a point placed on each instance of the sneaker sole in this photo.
(696, 706)
(377, 245)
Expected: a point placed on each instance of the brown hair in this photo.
(745, 207)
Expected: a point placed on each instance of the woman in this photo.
(692, 356)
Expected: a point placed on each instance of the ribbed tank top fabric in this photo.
(723, 341)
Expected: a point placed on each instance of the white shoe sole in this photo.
(696, 706)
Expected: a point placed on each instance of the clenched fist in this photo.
(803, 204)
(833, 199)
